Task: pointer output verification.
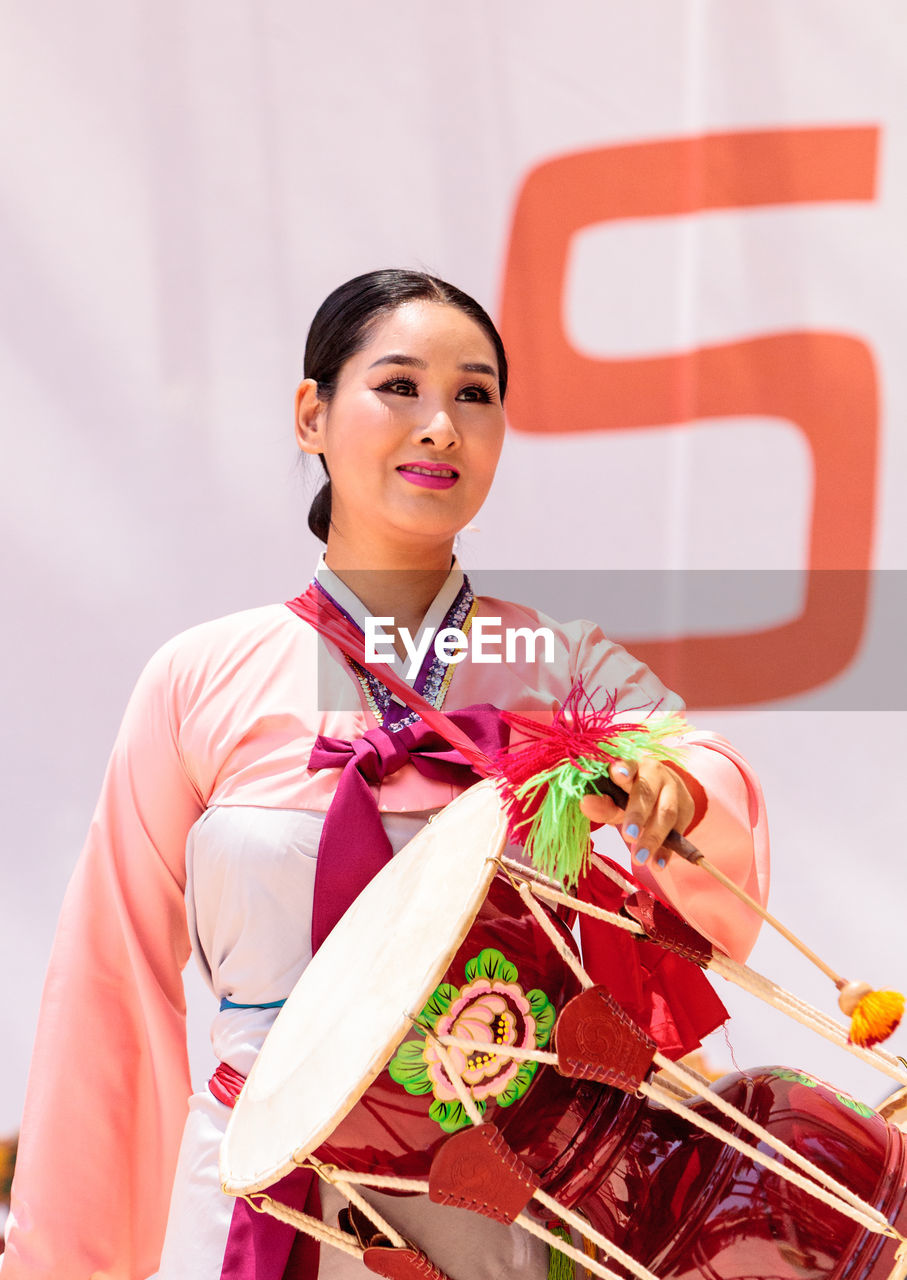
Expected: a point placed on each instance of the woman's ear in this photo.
(310, 416)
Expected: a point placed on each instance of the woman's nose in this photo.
(440, 431)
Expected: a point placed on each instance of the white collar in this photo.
(435, 614)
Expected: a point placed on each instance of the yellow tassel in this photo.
(876, 1016)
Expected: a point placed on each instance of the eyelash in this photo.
(486, 389)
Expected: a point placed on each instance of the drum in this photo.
(428, 1009)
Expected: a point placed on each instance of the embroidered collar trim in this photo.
(453, 606)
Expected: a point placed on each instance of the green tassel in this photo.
(560, 1267)
(558, 840)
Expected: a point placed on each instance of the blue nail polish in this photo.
(632, 831)
(621, 769)
(660, 860)
(641, 855)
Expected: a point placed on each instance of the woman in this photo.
(211, 814)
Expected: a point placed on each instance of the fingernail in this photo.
(660, 860)
(621, 768)
(632, 830)
(641, 855)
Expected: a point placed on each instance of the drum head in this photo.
(347, 1013)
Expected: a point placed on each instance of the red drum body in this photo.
(689, 1206)
(392, 1130)
(678, 1200)
(439, 941)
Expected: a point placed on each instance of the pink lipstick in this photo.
(429, 475)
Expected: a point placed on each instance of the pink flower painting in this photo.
(493, 1012)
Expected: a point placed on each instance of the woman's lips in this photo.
(429, 475)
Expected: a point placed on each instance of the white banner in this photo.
(688, 218)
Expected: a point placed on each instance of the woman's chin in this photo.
(407, 529)
(431, 526)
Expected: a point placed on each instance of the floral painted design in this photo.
(490, 1009)
(783, 1073)
(860, 1107)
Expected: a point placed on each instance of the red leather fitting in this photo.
(595, 1040)
(401, 1264)
(476, 1169)
(383, 1258)
(666, 928)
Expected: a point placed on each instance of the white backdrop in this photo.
(182, 182)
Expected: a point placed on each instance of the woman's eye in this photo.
(476, 394)
(399, 386)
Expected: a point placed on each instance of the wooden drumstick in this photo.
(874, 1014)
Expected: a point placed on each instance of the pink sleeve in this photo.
(109, 1081)
(733, 835)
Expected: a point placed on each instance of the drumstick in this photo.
(874, 1014)
(545, 775)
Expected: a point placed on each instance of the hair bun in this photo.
(320, 512)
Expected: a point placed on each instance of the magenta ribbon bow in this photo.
(354, 846)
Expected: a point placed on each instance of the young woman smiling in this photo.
(215, 832)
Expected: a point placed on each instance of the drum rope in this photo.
(766, 989)
(858, 1215)
(383, 1182)
(614, 1252)
(525, 891)
(620, 878)
(750, 980)
(525, 870)
(501, 1050)
(822, 1023)
(587, 908)
(572, 1219)
(454, 1077)
(555, 1242)
(420, 1186)
(817, 1184)
(676, 1071)
(332, 1175)
(314, 1227)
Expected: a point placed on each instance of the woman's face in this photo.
(413, 433)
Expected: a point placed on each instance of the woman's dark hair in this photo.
(342, 326)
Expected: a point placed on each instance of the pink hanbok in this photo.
(205, 841)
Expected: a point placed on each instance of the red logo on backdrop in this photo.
(824, 383)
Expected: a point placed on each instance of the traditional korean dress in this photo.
(205, 840)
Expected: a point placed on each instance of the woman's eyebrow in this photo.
(415, 363)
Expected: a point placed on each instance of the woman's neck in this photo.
(389, 588)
